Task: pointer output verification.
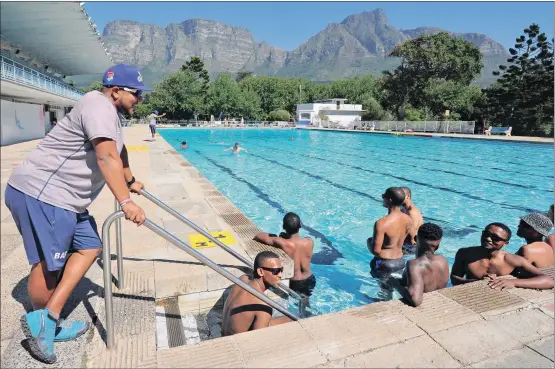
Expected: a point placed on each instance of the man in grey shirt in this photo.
(49, 193)
(152, 122)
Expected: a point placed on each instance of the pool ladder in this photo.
(106, 259)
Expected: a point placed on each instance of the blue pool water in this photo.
(334, 181)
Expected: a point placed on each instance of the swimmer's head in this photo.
(428, 238)
(236, 144)
(393, 196)
(291, 223)
(183, 143)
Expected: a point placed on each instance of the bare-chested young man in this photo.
(533, 228)
(390, 233)
(415, 215)
(488, 260)
(244, 312)
(428, 272)
(299, 249)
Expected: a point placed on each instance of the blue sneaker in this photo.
(40, 328)
(67, 331)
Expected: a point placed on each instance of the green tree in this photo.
(427, 58)
(224, 95)
(196, 65)
(279, 115)
(142, 110)
(242, 75)
(180, 95)
(455, 97)
(523, 95)
(96, 85)
(250, 105)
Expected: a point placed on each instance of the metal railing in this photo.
(418, 126)
(228, 249)
(107, 270)
(14, 71)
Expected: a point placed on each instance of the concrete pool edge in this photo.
(523, 139)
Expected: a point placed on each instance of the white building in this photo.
(338, 113)
(42, 45)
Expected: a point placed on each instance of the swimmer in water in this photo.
(184, 145)
(236, 148)
(291, 138)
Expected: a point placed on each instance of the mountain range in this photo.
(358, 45)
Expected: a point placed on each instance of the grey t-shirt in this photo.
(62, 170)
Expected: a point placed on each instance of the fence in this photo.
(13, 71)
(424, 126)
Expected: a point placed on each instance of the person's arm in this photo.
(414, 293)
(245, 150)
(111, 167)
(375, 246)
(539, 279)
(458, 271)
(277, 242)
(231, 148)
(135, 186)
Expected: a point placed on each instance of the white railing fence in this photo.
(421, 126)
(13, 71)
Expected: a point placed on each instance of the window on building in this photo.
(338, 103)
(305, 115)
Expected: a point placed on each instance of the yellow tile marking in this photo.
(139, 148)
(198, 241)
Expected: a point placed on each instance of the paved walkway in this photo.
(445, 135)
(463, 326)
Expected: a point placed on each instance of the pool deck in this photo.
(465, 326)
(540, 140)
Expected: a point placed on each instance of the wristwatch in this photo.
(130, 182)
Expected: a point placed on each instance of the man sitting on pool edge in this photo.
(299, 249)
(489, 261)
(245, 312)
(428, 272)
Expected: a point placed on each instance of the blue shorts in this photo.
(152, 129)
(50, 233)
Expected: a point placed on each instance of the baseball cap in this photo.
(125, 76)
(540, 222)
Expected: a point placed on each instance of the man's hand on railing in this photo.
(134, 213)
(136, 187)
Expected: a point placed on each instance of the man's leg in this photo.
(77, 266)
(41, 285)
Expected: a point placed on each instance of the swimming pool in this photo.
(334, 181)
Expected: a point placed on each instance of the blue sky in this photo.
(288, 24)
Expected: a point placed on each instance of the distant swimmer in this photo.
(236, 148)
(292, 138)
(184, 145)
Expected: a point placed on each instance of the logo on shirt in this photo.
(109, 76)
(139, 77)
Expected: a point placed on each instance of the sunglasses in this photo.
(494, 237)
(137, 93)
(275, 271)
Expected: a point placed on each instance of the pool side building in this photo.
(337, 112)
(43, 45)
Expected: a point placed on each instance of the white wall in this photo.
(20, 122)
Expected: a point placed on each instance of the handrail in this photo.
(106, 259)
(246, 261)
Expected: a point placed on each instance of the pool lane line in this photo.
(450, 232)
(325, 257)
(449, 172)
(445, 189)
(461, 163)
